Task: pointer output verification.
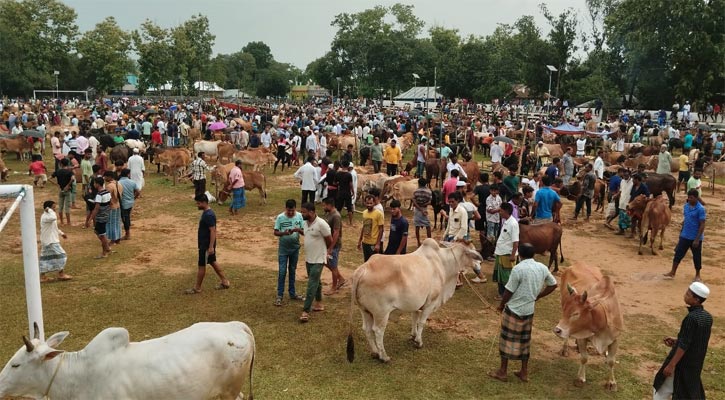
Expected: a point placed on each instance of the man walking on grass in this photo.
(334, 220)
(523, 289)
(288, 226)
(206, 237)
(422, 198)
(318, 248)
(691, 235)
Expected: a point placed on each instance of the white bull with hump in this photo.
(418, 283)
(207, 360)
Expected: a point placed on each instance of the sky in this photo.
(299, 31)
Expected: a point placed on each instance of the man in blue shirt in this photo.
(691, 235)
(552, 171)
(615, 182)
(128, 197)
(398, 240)
(287, 227)
(545, 202)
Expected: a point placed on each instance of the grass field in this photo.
(140, 288)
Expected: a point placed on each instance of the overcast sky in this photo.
(299, 31)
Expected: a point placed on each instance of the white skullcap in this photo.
(135, 151)
(331, 166)
(460, 184)
(525, 181)
(700, 289)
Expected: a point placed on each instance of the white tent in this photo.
(209, 87)
(419, 93)
(166, 87)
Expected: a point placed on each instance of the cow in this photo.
(655, 215)
(590, 316)
(194, 135)
(136, 144)
(437, 202)
(555, 150)
(418, 283)
(544, 237)
(472, 174)
(714, 169)
(207, 360)
(225, 151)
(209, 147)
(387, 192)
(252, 180)
(649, 161)
(3, 171)
(175, 159)
(403, 191)
(367, 181)
(662, 183)
(119, 152)
(433, 170)
(257, 159)
(18, 144)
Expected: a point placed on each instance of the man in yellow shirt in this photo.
(684, 174)
(371, 234)
(393, 157)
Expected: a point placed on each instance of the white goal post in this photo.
(24, 199)
(35, 92)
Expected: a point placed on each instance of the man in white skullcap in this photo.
(679, 376)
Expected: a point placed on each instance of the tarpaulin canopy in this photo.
(245, 109)
(565, 129)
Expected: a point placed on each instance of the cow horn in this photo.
(36, 331)
(584, 296)
(28, 345)
(571, 289)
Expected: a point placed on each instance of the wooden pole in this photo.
(523, 145)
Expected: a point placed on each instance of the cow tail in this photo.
(561, 251)
(264, 189)
(350, 339)
(644, 226)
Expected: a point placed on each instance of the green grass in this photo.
(296, 361)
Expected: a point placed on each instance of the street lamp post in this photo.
(338, 87)
(551, 69)
(56, 73)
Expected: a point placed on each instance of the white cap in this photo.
(135, 151)
(350, 165)
(700, 289)
(525, 181)
(331, 166)
(540, 142)
(460, 184)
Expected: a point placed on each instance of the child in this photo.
(37, 169)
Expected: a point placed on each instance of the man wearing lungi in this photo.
(522, 290)
(236, 185)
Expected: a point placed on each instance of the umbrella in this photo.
(137, 108)
(504, 139)
(704, 127)
(33, 133)
(217, 126)
(151, 111)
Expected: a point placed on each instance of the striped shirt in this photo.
(198, 169)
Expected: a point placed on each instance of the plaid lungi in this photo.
(625, 221)
(502, 268)
(238, 198)
(113, 227)
(52, 258)
(515, 340)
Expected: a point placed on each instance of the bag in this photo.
(611, 209)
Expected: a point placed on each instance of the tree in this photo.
(562, 37)
(105, 61)
(261, 52)
(36, 38)
(153, 45)
(273, 83)
(192, 47)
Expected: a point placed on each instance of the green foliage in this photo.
(261, 52)
(153, 45)
(105, 61)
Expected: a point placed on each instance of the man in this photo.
(138, 169)
(347, 156)
(87, 169)
(684, 171)
(311, 145)
(546, 202)
(318, 248)
(198, 174)
(99, 215)
(129, 194)
(146, 129)
(422, 198)
(511, 181)
(507, 246)
(65, 178)
(615, 183)
(288, 226)
(680, 374)
(309, 177)
(421, 157)
(398, 240)
(457, 229)
(449, 186)
(376, 154)
(345, 190)
(496, 154)
(542, 154)
(371, 233)
(553, 171)
(581, 145)
(235, 184)
(638, 187)
(599, 165)
(52, 256)
(695, 183)
(523, 289)
(568, 163)
(664, 159)
(393, 158)
(691, 235)
(266, 137)
(334, 221)
(113, 227)
(453, 165)
(493, 217)
(57, 151)
(207, 241)
(587, 192)
(625, 191)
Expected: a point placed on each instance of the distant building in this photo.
(236, 93)
(304, 92)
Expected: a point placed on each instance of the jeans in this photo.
(580, 203)
(287, 262)
(376, 166)
(199, 187)
(368, 251)
(308, 196)
(392, 169)
(314, 286)
(681, 249)
(126, 218)
(419, 171)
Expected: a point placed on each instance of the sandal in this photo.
(319, 308)
(65, 278)
(192, 291)
(495, 375)
(278, 302)
(340, 284)
(222, 286)
(304, 317)
(296, 297)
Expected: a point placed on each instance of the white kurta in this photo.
(137, 167)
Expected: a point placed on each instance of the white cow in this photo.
(403, 191)
(208, 360)
(209, 147)
(136, 144)
(418, 283)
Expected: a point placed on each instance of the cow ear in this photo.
(52, 354)
(584, 297)
(57, 339)
(571, 289)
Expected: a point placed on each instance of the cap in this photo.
(664, 146)
(460, 184)
(135, 151)
(423, 139)
(350, 165)
(525, 181)
(330, 166)
(700, 289)
(540, 142)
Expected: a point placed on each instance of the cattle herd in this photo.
(222, 354)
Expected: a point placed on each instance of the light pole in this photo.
(338, 86)
(551, 69)
(56, 73)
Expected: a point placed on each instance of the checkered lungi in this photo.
(625, 221)
(52, 258)
(515, 340)
(238, 198)
(113, 227)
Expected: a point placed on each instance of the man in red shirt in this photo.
(37, 169)
(156, 137)
(449, 186)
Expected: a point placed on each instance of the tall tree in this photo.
(192, 48)
(562, 36)
(261, 52)
(36, 38)
(153, 46)
(105, 60)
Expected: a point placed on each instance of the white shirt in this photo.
(308, 175)
(311, 143)
(49, 232)
(323, 143)
(509, 235)
(625, 189)
(581, 145)
(599, 168)
(93, 145)
(457, 223)
(450, 167)
(496, 153)
(620, 144)
(266, 139)
(315, 245)
(137, 167)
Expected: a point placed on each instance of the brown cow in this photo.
(225, 151)
(544, 237)
(555, 150)
(17, 145)
(590, 317)
(252, 180)
(3, 171)
(255, 158)
(473, 172)
(656, 215)
(175, 159)
(387, 192)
